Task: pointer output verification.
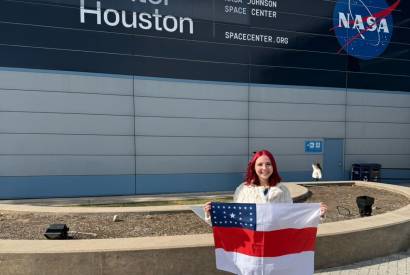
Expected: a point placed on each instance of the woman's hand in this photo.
(207, 208)
(323, 210)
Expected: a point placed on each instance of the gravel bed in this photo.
(22, 225)
(341, 200)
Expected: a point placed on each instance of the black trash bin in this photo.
(57, 231)
(366, 171)
(365, 203)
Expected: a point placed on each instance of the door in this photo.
(333, 159)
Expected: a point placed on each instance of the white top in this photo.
(255, 194)
(317, 173)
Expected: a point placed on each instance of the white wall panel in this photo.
(297, 163)
(33, 101)
(377, 130)
(377, 98)
(154, 87)
(190, 108)
(190, 164)
(287, 111)
(383, 133)
(281, 146)
(264, 129)
(191, 146)
(279, 93)
(65, 165)
(65, 82)
(378, 114)
(65, 124)
(190, 127)
(21, 144)
(378, 146)
(387, 161)
(185, 126)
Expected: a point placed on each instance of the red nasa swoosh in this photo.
(379, 15)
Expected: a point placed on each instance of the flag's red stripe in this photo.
(265, 244)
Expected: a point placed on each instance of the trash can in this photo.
(366, 172)
(364, 203)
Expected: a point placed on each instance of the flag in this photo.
(265, 239)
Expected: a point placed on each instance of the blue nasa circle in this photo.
(358, 29)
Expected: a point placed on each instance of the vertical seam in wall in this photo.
(345, 135)
(213, 18)
(249, 99)
(134, 139)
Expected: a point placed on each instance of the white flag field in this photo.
(265, 239)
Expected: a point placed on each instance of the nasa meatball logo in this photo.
(363, 27)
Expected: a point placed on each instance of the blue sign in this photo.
(363, 27)
(313, 146)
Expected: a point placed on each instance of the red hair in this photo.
(252, 177)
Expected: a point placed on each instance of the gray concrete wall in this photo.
(65, 124)
(378, 128)
(197, 260)
(190, 126)
(283, 117)
(76, 124)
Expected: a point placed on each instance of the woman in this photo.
(262, 185)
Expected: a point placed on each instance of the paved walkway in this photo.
(396, 264)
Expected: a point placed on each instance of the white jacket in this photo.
(254, 194)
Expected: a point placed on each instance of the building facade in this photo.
(161, 96)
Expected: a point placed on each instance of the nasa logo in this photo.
(363, 27)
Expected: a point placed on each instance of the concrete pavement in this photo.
(396, 264)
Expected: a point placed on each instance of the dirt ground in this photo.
(341, 201)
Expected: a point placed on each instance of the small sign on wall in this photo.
(313, 146)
